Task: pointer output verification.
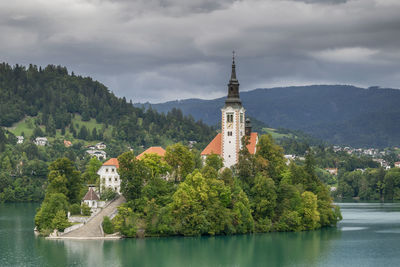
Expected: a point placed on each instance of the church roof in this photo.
(153, 150)
(215, 146)
(112, 162)
(252, 143)
(91, 195)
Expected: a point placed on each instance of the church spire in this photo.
(233, 73)
(233, 86)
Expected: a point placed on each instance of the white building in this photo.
(101, 146)
(92, 199)
(20, 139)
(41, 141)
(109, 177)
(234, 127)
(100, 154)
(397, 164)
(289, 158)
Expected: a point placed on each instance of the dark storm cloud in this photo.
(156, 50)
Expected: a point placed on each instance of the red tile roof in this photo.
(153, 150)
(67, 143)
(252, 143)
(112, 162)
(215, 146)
(91, 195)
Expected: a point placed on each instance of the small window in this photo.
(107, 170)
(109, 179)
(229, 156)
(112, 170)
(93, 203)
(229, 133)
(104, 180)
(241, 117)
(115, 178)
(115, 188)
(229, 117)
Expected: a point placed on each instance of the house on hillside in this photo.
(397, 164)
(20, 139)
(332, 171)
(41, 141)
(234, 127)
(67, 143)
(101, 146)
(100, 154)
(289, 158)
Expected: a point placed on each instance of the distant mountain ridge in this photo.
(340, 114)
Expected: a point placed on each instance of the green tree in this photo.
(86, 211)
(51, 126)
(157, 166)
(133, 173)
(124, 221)
(107, 225)
(200, 206)
(60, 221)
(263, 200)
(48, 210)
(214, 161)
(75, 209)
(64, 178)
(90, 175)
(309, 212)
(181, 161)
(269, 158)
(94, 134)
(84, 133)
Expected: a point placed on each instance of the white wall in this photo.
(109, 178)
(231, 144)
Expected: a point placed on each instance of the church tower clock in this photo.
(233, 122)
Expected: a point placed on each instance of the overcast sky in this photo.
(158, 50)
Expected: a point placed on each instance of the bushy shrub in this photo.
(75, 209)
(86, 210)
(60, 221)
(108, 227)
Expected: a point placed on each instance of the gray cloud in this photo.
(157, 50)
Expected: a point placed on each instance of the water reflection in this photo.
(368, 236)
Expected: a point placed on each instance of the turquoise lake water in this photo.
(369, 235)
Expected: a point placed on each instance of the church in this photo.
(234, 127)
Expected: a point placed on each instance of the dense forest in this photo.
(338, 114)
(260, 194)
(54, 96)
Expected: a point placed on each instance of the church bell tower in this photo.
(233, 122)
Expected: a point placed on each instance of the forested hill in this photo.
(339, 114)
(53, 97)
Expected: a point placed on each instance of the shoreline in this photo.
(85, 238)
